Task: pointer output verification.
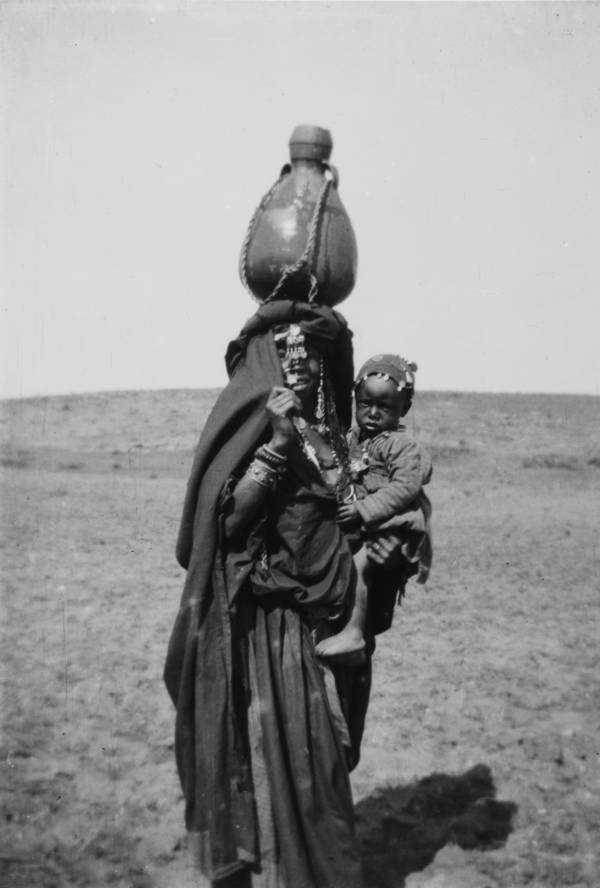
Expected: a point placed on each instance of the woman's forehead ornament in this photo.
(295, 342)
(292, 339)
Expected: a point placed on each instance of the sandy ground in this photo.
(495, 663)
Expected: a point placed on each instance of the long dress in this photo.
(286, 584)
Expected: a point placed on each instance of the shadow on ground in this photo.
(401, 829)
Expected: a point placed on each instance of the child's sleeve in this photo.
(409, 468)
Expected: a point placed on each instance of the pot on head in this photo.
(300, 243)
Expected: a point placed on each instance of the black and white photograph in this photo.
(300, 444)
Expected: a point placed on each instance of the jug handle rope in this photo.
(307, 255)
(285, 171)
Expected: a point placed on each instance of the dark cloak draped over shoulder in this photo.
(211, 750)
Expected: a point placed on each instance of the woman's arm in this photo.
(250, 494)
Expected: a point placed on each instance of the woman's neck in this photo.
(308, 412)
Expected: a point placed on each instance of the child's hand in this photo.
(348, 515)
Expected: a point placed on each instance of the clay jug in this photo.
(300, 243)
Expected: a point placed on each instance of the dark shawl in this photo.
(210, 751)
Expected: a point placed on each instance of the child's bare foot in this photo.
(346, 643)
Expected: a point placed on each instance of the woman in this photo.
(265, 733)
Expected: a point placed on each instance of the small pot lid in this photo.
(310, 143)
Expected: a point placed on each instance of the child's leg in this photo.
(351, 638)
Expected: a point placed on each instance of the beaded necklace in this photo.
(323, 466)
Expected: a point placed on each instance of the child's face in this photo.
(379, 405)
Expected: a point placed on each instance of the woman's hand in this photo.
(385, 552)
(348, 515)
(282, 403)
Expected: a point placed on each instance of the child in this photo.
(389, 469)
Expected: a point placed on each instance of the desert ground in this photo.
(494, 664)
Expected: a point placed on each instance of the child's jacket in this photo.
(390, 471)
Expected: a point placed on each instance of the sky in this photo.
(138, 139)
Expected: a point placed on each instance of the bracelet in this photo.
(270, 458)
(262, 474)
(277, 457)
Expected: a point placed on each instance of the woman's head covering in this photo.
(238, 419)
(325, 328)
(391, 367)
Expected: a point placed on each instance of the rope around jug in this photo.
(307, 256)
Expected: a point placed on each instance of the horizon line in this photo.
(218, 388)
